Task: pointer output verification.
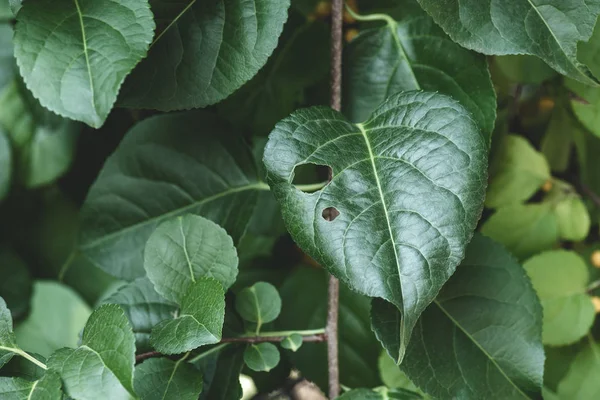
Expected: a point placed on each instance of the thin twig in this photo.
(590, 193)
(273, 339)
(333, 299)
(144, 356)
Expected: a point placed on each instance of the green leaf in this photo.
(525, 229)
(8, 341)
(573, 218)
(586, 105)
(380, 394)
(8, 67)
(204, 51)
(260, 303)
(548, 31)
(392, 376)
(558, 140)
(410, 54)
(102, 367)
(358, 347)
(161, 378)
(186, 248)
(581, 382)
(589, 52)
(47, 387)
(292, 342)
(200, 320)
(517, 171)
(5, 165)
(57, 316)
(144, 308)
(44, 143)
(16, 286)
(524, 69)
(416, 145)
(99, 42)
(221, 368)
(261, 357)
(154, 176)
(481, 338)
(560, 279)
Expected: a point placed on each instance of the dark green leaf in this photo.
(46, 388)
(414, 53)
(525, 229)
(204, 51)
(416, 145)
(102, 367)
(8, 341)
(392, 376)
(548, 31)
(380, 394)
(560, 279)
(581, 382)
(524, 69)
(481, 338)
(260, 303)
(292, 342)
(155, 175)
(44, 143)
(144, 308)
(57, 316)
(186, 248)
(5, 165)
(200, 319)
(16, 286)
(558, 140)
(7, 62)
(221, 368)
(99, 43)
(161, 378)
(517, 171)
(261, 357)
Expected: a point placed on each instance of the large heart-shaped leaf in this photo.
(167, 166)
(74, 55)
(204, 51)
(414, 53)
(408, 185)
(482, 336)
(549, 30)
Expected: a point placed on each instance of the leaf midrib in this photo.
(476, 343)
(253, 186)
(86, 347)
(86, 53)
(393, 27)
(160, 35)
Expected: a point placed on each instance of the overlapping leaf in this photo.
(74, 55)
(481, 338)
(204, 51)
(167, 166)
(161, 378)
(261, 357)
(414, 53)
(548, 30)
(412, 177)
(48, 387)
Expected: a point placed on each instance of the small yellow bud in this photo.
(546, 104)
(595, 258)
(596, 302)
(323, 9)
(547, 186)
(351, 34)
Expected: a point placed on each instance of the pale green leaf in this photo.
(155, 175)
(199, 322)
(586, 105)
(416, 146)
(44, 143)
(204, 51)
(573, 218)
(144, 308)
(292, 342)
(48, 387)
(550, 31)
(517, 171)
(74, 55)
(102, 367)
(392, 376)
(161, 378)
(259, 303)
(589, 52)
(16, 286)
(560, 279)
(524, 69)
(581, 382)
(186, 248)
(5, 165)
(8, 341)
(482, 336)
(525, 229)
(261, 357)
(57, 316)
(410, 54)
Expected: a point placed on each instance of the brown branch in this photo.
(144, 356)
(331, 330)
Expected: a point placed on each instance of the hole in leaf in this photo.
(311, 177)
(330, 213)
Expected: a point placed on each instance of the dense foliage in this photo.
(175, 191)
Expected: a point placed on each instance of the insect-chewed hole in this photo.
(311, 177)
(330, 213)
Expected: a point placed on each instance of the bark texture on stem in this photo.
(331, 331)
